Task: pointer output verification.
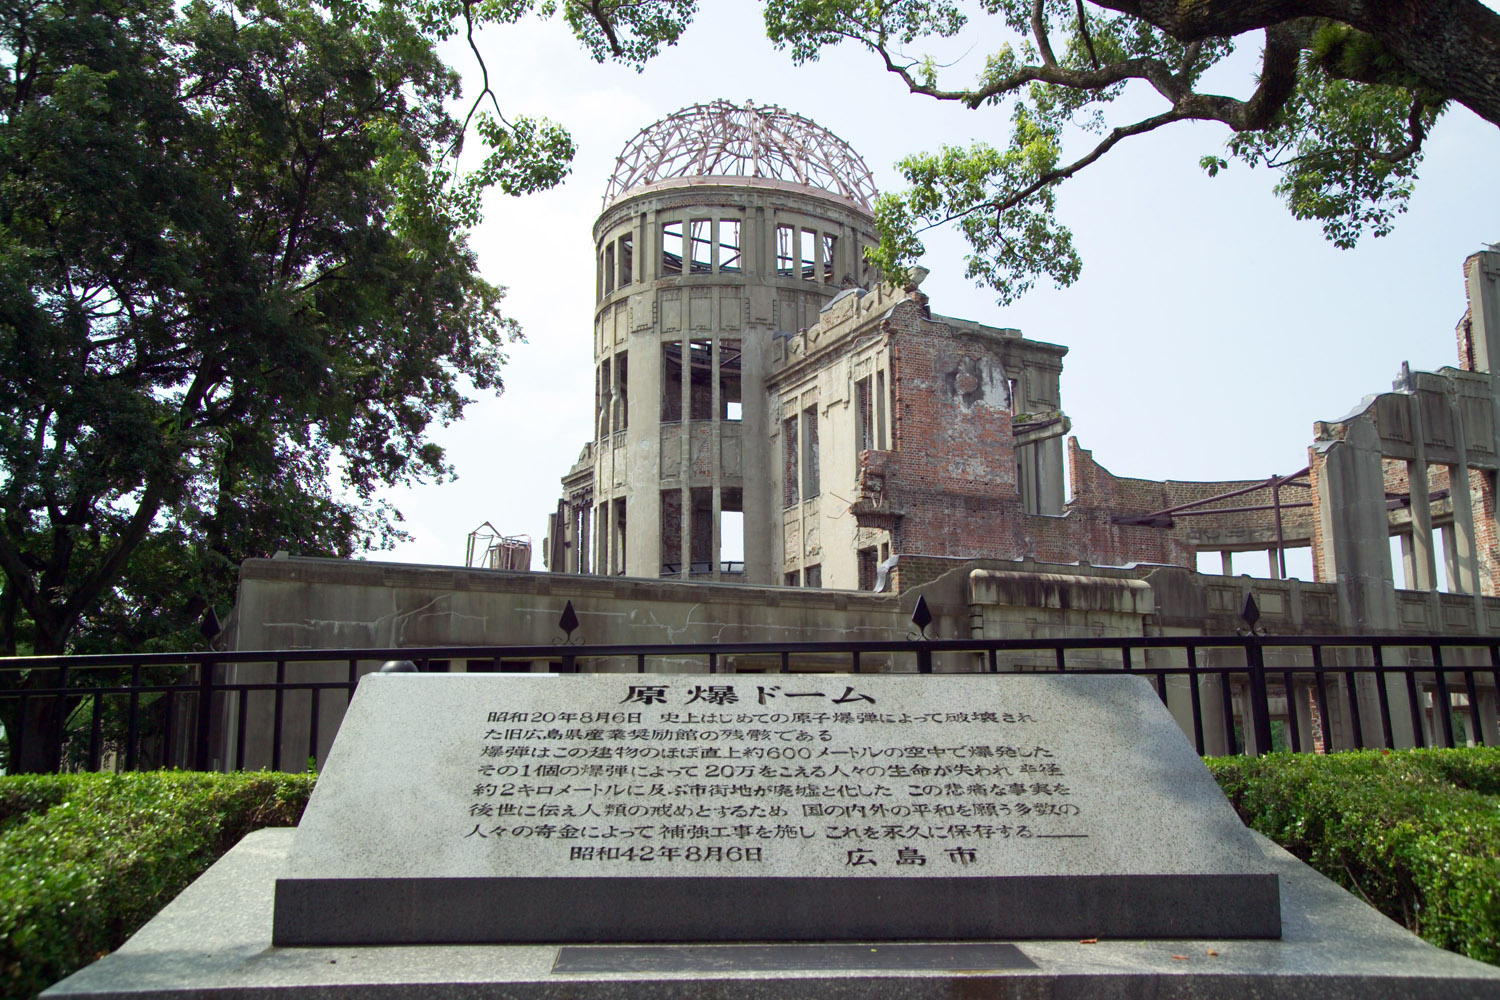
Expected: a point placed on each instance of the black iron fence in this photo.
(279, 709)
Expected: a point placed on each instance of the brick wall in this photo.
(1096, 487)
(949, 487)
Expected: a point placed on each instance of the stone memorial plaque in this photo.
(765, 807)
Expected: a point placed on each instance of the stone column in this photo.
(1488, 727)
(1465, 552)
(1357, 555)
(1423, 574)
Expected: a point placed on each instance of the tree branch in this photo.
(605, 25)
(1039, 29)
(1083, 32)
(1053, 176)
(1452, 46)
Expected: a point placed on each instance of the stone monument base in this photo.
(215, 940)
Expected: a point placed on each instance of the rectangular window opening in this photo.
(702, 531)
(618, 546)
(729, 245)
(786, 265)
(792, 579)
(731, 531)
(867, 568)
(810, 486)
(581, 536)
(807, 251)
(789, 491)
(627, 259)
(671, 382)
(671, 532)
(830, 245)
(880, 412)
(671, 248)
(609, 269)
(702, 244)
(604, 398)
(864, 419)
(622, 401)
(812, 576)
(729, 380)
(701, 402)
(602, 537)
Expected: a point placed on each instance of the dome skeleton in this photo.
(721, 139)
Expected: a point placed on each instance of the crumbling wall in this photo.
(1095, 487)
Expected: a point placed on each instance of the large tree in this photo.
(235, 289)
(1341, 100)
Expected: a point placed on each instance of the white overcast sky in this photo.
(1208, 331)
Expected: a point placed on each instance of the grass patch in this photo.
(1416, 833)
(86, 859)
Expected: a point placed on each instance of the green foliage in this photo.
(236, 292)
(86, 859)
(1348, 153)
(1415, 833)
(1332, 110)
(1012, 245)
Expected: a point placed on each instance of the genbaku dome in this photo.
(786, 447)
(752, 374)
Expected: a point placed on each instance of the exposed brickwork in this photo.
(1486, 537)
(1315, 473)
(948, 490)
(1096, 487)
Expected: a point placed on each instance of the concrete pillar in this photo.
(1227, 559)
(1299, 713)
(1450, 559)
(1275, 563)
(758, 450)
(1351, 505)
(1465, 550)
(1482, 280)
(1423, 573)
(1482, 283)
(1489, 726)
(1210, 696)
(1049, 460)
(1408, 562)
(1242, 700)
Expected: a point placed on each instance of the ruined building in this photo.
(759, 391)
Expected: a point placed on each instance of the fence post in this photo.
(205, 698)
(1255, 661)
(921, 617)
(1260, 697)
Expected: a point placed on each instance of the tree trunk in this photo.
(1453, 46)
(39, 724)
(38, 720)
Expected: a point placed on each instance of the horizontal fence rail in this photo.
(280, 708)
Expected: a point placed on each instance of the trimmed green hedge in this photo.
(86, 859)
(1416, 833)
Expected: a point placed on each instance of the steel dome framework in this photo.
(721, 139)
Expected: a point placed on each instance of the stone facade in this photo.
(748, 362)
(750, 369)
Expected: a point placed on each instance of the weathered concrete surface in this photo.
(215, 940)
(297, 603)
(712, 808)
